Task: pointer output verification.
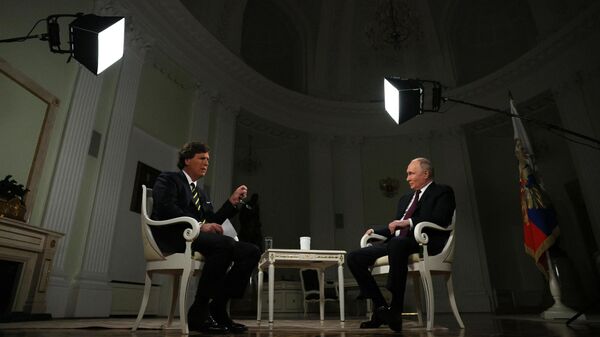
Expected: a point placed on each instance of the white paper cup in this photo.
(305, 242)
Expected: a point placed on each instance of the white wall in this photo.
(127, 259)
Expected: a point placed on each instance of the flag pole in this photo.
(558, 310)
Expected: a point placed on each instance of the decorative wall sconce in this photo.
(389, 186)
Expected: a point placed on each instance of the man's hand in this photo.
(211, 228)
(398, 224)
(369, 231)
(239, 194)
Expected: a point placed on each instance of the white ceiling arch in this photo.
(175, 31)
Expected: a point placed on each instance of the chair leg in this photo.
(321, 295)
(174, 293)
(369, 308)
(450, 288)
(305, 308)
(429, 296)
(147, 288)
(417, 289)
(185, 283)
(259, 289)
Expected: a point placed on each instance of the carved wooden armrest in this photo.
(189, 234)
(421, 237)
(364, 241)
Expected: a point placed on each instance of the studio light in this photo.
(94, 41)
(404, 98)
(407, 98)
(97, 41)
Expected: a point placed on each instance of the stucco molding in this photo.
(207, 60)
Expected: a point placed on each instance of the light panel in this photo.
(403, 98)
(110, 45)
(97, 41)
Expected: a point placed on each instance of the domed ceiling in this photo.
(340, 50)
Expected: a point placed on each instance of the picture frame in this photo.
(144, 175)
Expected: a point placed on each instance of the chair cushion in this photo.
(198, 256)
(384, 261)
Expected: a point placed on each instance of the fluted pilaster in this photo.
(201, 108)
(222, 154)
(348, 191)
(64, 192)
(321, 191)
(575, 100)
(102, 222)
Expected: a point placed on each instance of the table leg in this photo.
(321, 295)
(271, 291)
(341, 293)
(259, 296)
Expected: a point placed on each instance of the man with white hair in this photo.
(428, 201)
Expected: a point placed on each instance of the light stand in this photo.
(404, 99)
(94, 41)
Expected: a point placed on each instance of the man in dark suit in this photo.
(428, 201)
(228, 263)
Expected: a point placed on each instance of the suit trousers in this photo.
(398, 249)
(217, 280)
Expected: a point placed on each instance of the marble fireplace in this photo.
(26, 255)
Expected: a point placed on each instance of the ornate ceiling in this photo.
(309, 64)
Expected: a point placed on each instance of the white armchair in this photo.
(180, 265)
(422, 267)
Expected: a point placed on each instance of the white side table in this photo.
(296, 258)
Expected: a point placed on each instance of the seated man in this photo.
(178, 194)
(428, 202)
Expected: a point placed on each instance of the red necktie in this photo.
(409, 213)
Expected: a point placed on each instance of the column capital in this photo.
(350, 141)
(320, 139)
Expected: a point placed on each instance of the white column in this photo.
(450, 156)
(320, 176)
(348, 192)
(200, 121)
(92, 292)
(64, 191)
(576, 102)
(222, 155)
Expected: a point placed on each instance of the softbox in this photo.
(403, 98)
(97, 41)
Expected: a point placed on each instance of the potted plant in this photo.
(12, 196)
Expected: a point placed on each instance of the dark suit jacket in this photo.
(172, 197)
(436, 205)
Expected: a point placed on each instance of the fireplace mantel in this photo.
(34, 247)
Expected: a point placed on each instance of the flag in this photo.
(540, 228)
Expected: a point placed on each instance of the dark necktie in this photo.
(409, 212)
(196, 197)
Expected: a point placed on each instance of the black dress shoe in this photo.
(237, 327)
(208, 326)
(222, 317)
(379, 317)
(395, 320)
